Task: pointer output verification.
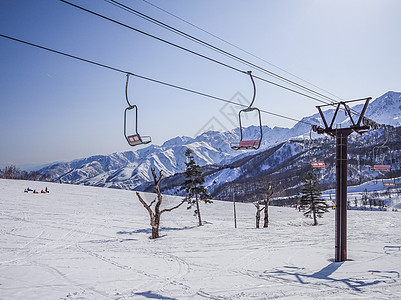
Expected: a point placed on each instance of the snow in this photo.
(80, 242)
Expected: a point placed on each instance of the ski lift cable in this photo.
(152, 36)
(210, 46)
(190, 51)
(239, 48)
(199, 54)
(150, 79)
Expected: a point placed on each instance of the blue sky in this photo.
(54, 108)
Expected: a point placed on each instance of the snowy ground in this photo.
(93, 243)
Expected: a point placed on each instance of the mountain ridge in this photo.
(131, 169)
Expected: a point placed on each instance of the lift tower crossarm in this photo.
(356, 126)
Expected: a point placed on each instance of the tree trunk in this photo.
(258, 210)
(198, 211)
(155, 223)
(266, 220)
(257, 217)
(314, 218)
(267, 202)
(155, 232)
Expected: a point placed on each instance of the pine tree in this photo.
(193, 185)
(311, 204)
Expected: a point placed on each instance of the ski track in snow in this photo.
(93, 243)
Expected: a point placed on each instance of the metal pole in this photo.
(235, 212)
(341, 195)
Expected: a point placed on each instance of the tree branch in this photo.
(145, 204)
(156, 181)
(177, 206)
(151, 203)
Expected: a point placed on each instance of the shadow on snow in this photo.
(324, 276)
(149, 230)
(152, 295)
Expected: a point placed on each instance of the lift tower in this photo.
(341, 134)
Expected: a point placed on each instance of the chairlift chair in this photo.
(379, 156)
(245, 144)
(314, 164)
(389, 183)
(133, 139)
(381, 165)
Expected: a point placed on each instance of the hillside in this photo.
(284, 153)
(284, 166)
(82, 242)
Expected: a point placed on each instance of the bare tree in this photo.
(156, 214)
(269, 193)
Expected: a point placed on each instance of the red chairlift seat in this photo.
(244, 145)
(136, 139)
(318, 164)
(381, 168)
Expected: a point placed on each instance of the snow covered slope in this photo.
(82, 242)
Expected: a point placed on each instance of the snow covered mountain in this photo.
(386, 109)
(131, 169)
(128, 170)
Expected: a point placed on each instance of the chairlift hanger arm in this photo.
(254, 89)
(126, 91)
